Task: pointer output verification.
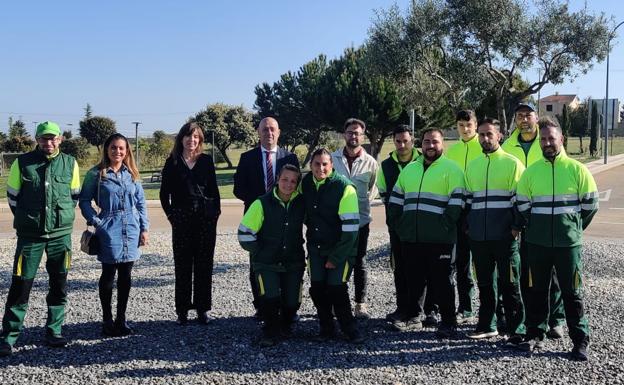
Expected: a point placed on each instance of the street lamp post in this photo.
(606, 100)
(136, 143)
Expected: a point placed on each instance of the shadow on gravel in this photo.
(162, 349)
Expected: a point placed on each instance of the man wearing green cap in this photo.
(42, 191)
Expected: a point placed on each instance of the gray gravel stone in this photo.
(225, 352)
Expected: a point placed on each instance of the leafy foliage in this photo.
(97, 129)
(76, 147)
(230, 124)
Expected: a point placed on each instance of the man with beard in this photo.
(558, 197)
(493, 227)
(355, 164)
(523, 143)
(424, 208)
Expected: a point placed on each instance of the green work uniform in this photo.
(529, 153)
(42, 193)
(272, 232)
(491, 182)
(558, 200)
(386, 178)
(332, 221)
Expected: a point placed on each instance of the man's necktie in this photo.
(269, 171)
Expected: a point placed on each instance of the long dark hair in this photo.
(128, 161)
(187, 130)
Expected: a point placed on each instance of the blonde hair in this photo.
(128, 161)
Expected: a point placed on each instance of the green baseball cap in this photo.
(48, 128)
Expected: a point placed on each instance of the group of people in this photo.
(514, 213)
(43, 189)
(511, 215)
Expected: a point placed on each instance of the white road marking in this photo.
(607, 195)
(610, 223)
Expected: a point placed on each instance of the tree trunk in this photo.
(376, 145)
(311, 147)
(581, 143)
(502, 116)
(223, 151)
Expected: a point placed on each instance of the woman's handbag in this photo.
(89, 242)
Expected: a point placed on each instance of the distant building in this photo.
(553, 105)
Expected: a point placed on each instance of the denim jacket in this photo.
(123, 213)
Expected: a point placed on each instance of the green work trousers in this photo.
(567, 263)
(26, 263)
(497, 263)
(285, 286)
(330, 294)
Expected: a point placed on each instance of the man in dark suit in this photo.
(257, 172)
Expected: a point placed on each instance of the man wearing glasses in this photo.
(354, 163)
(42, 191)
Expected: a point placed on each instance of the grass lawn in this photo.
(225, 176)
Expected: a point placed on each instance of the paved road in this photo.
(608, 223)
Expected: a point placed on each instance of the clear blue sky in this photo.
(158, 62)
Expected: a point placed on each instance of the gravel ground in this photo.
(225, 351)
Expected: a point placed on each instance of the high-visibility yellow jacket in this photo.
(512, 146)
(332, 217)
(491, 182)
(463, 153)
(272, 231)
(389, 173)
(425, 205)
(558, 201)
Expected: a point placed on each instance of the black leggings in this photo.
(124, 282)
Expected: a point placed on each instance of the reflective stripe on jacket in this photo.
(425, 205)
(491, 182)
(557, 200)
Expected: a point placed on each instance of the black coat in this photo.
(249, 176)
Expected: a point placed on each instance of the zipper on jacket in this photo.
(419, 189)
(552, 209)
(487, 177)
(466, 157)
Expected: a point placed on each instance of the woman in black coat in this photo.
(190, 198)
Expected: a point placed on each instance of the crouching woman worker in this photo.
(121, 225)
(332, 222)
(272, 231)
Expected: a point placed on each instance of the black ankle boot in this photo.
(122, 327)
(109, 329)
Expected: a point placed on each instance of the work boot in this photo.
(182, 319)
(55, 340)
(480, 334)
(122, 327)
(287, 316)
(204, 317)
(579, 351)
(109, 329)
(446, 331)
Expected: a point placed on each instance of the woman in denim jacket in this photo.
(121, 225)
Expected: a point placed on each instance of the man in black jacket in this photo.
(256, 174)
